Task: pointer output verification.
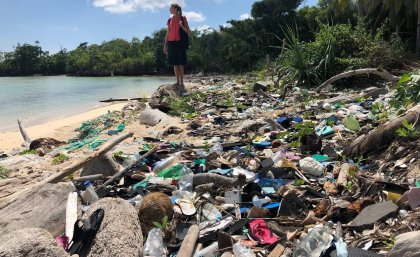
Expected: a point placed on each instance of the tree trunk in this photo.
(418, 30)
(360, 8)
(377, 71)
(383, 135)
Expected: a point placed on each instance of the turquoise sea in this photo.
(38, 99)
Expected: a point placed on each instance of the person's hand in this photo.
(165, 49)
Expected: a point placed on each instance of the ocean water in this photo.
(38, 99)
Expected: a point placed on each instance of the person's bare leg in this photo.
(181, 74)
(176, 71)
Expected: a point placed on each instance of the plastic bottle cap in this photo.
(86, 183)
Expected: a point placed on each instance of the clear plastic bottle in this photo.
(318, 240)
(166, 163)
(210, 212)
(185, 183)
(154, 244)
(279, 155)
(89, 196)
(242, 251)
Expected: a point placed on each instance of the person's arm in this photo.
(184, 25)
(165, 43)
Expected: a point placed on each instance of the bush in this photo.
(59, 159)
(4, 173)
(336, 48)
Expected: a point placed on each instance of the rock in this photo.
(45, 143)
(406, 245)
(153, 208)
(42, 207)
(260, 85)
(30, 242)
(104, 165)
(249, 126)
(371, 214)
(159, 99)
(311, 166)
(152, 117)
(375, 92)
(120, 232)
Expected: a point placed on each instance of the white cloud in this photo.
(194, 16)
(204, 29)
(125, 6)
(226, 25)
(244, 16)
(62, 28)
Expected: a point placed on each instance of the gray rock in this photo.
(406, 245)
(30, 242)
(120, 232)
(104, 165)
(250, 126)
(371, 214)
(260, 85)
(42, 207)
(375, 92)
(152, 117)
(160, 98)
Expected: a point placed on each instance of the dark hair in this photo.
(178, 8)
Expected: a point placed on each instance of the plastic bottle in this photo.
(210, 212)
(154, 243)
(89, 196)
(242, 251)
(185, 183)
(279, 155)
(318, 240)
(166, 163)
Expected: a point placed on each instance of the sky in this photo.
(58, 24)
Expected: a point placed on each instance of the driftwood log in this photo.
(376, 71)
(25, 136)
(123, 99)
(383, 135)
(126, 169)
(77, 165)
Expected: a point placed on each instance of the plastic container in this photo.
(89, 195)
(279, 155)
(154, 244)
(318, 240)
(166, 163)
(242, 251)
(185, 183)
(210, 212)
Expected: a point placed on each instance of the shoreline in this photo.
(59, 128)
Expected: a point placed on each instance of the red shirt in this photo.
(174, 27)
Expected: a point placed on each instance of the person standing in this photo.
(175, 48)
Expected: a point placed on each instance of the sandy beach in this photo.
(60, 129)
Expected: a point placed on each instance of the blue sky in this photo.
(67, 23)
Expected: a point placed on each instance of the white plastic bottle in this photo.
(315, 242)
(89, 196)
(166, 163)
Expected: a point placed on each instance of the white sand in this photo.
(60, 129)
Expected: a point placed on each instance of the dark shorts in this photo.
(177, 54)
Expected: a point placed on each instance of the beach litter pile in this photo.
(247, 174)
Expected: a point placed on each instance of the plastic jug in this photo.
(89, 195)
(154, 243)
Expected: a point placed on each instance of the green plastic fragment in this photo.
(200, 161)
(172, 172)
(352, 123)
(320, 157)
(120, 127)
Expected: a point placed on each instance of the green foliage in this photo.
(59, 159)
(28, 151)
(4, 173)
(162, 225)
(179, 105)
(390, 242)
(408, 131)
(407, 91)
